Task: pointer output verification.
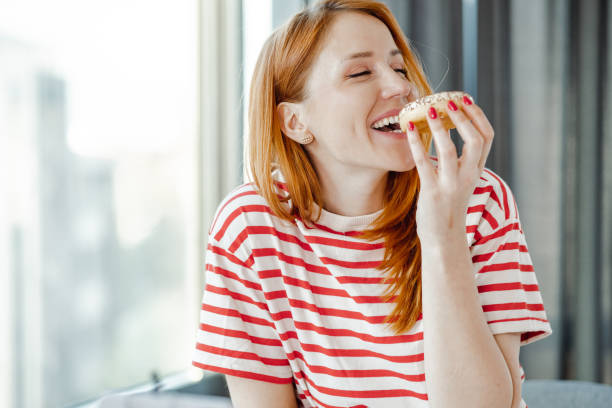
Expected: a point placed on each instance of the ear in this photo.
(290, 117)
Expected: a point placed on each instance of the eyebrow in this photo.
(367, 54)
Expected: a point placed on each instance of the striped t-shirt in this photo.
(288, 303)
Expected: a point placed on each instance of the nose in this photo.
(395, 84)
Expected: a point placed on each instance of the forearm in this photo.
(464, 367)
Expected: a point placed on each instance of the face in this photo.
(358, 78)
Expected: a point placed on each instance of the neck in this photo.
(352, 192)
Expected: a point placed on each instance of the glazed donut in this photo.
(416, 111)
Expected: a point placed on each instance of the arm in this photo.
(247, 393)
(464, 367)
(510, 346)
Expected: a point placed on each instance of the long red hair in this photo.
(280, 75)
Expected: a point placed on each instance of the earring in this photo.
(307, 139)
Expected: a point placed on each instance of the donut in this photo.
(416, 111)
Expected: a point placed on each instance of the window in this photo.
(99, 226)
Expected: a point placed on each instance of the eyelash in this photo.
(403, 71)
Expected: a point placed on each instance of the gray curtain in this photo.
(540, 70)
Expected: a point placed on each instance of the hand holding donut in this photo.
(445, 191)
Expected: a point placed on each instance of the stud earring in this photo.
(307, 139)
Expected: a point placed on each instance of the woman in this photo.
(355, 270)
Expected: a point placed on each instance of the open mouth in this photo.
(390, 124)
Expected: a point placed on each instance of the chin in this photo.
(402, 169)
(397, 167)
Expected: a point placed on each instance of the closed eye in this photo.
(401, 70)
(359, 74)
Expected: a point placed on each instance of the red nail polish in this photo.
(410, 126)
(432, 113)
(452, 106)
(467, 101)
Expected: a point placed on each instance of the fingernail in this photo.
(467, 100)
(410, 126)
(432, 113)
(452, 106)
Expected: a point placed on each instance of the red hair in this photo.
(280, 75)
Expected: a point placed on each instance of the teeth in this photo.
(386, 121)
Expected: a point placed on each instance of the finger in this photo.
(445, 148)
(480, 122)
(474, 141)
(421, 160)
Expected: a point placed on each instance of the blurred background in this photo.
(122, 127)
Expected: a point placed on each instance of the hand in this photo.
(445, 191)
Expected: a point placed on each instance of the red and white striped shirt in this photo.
(288, 303)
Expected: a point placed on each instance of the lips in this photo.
(392, 112)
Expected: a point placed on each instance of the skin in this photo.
(352, 161)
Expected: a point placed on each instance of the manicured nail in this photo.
(467, 101)
(432, 113)
(410, 126)
(452, 106)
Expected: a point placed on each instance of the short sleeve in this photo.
(507, 283)
(236, 334)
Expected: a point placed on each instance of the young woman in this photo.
(355, 270)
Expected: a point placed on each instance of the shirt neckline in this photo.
(345, 223)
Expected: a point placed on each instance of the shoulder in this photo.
(491, 206)
(498, 194)
(242, 208)
(230, 210)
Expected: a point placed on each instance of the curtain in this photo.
(540, 71)
(220, 102)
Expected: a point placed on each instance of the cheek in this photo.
(344, 112)
(334, 117)
(350, 114)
